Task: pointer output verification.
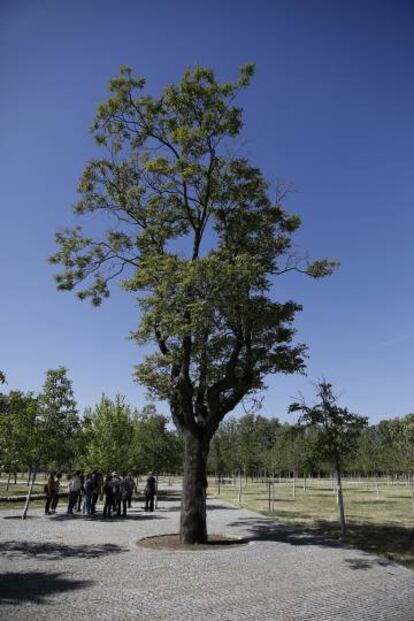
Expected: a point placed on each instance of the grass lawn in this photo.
(380, 521)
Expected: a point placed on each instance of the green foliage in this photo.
(257, 445)
(20, 432)
(154, 448)
(167, 180)
(339, 429)
(58, 419)
(108, 430)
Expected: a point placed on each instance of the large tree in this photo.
(198, 238)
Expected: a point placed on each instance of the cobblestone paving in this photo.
(63, 568)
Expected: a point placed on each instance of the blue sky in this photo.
(330, 110)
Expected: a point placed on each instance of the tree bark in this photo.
(193, 522)
(340, 500)
(29, 493)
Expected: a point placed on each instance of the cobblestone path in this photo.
(63, 568)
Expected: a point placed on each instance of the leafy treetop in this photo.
(195, 235)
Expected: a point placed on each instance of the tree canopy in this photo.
(171, 187)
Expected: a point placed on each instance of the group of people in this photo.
(84, 492)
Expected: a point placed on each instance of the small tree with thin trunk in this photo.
(199, 240)
(58, 416)
(338, 433)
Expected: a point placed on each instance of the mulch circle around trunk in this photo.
(172, 542)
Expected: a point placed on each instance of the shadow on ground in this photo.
(391, 540)
(366, 563)
(262, 529)
(35, 587)
(394, 542)
(57, 551)
(210, 507)
(98, 517)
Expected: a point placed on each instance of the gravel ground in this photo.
(59, 567)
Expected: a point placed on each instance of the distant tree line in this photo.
(45, 431)
(259, 446)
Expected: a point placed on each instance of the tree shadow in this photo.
(376, 501)
(175, 508)
(19, 517)
(210, 507)
(267, 530)
(166, 495)
(35, 587)
(53, 551)
(367, 563)
(98, 517)
(395, 543)
(213, 507)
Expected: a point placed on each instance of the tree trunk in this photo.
(29, 493)
(340, 501)
(8, 482)
(269, 495)
(29, 477)
(412, 492)
(239, 495)
(193, 522)
(377, 487)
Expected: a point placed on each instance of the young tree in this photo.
(154, 448)
(21, 434)
(339, 431)
(223, 458)
(201, 238)
(16, 422)
(109, 436)
(59, 419)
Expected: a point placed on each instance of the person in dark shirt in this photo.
(108, 490)
(97, 490)
(150, 491)
(88, 487)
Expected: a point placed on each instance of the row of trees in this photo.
(256, 446)
(45, 431)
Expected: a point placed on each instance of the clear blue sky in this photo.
(330, 109)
